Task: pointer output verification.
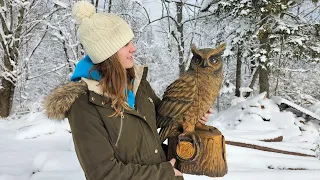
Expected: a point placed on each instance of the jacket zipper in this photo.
(120, 130)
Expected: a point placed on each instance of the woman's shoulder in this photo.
(60, 100)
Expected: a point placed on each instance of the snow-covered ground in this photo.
(36, 148)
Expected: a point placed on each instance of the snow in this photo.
(227, 88)
(263, 58)
(260, 114)
(60, 3)
(36, 148)
(56, 161)
(245, 89)
(298, 40)
(280, 100)
(245, 12)
(315, 108)
(227, 52)
(205, 4)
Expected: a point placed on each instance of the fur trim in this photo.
(138, 70)
(59, 101)
(93, 86)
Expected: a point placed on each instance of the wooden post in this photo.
(211, 160)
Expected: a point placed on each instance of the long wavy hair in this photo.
(115, 80)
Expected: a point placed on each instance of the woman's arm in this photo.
(96, 154)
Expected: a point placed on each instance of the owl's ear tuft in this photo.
(221, 48)
(194, 49)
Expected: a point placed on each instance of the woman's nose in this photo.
(132, 47)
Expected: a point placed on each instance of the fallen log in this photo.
(277, 139)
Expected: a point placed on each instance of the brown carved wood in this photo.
(211, 160)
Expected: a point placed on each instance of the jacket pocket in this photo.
(127, 138)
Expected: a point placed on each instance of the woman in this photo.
(111, 106)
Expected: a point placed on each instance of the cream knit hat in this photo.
(101, 34)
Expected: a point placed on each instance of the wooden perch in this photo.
(211, 160)
(262, 148)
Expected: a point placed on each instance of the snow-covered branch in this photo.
(53, 70)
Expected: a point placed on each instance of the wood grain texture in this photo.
(212, 160)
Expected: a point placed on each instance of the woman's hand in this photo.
(176, 171)
(205, 118)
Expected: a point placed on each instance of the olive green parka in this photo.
(116, 148)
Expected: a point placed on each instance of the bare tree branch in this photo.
(53, 70)
(37, 45)
(184, 3)
(312, 10)
(148, 17)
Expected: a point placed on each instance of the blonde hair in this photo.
(115, 80)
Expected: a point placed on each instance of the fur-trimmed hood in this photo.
(59, 101)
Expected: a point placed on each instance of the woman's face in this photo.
(125, 55)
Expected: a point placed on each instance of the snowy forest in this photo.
(272, 46)
(273, 51)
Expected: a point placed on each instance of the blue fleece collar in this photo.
(83, 70)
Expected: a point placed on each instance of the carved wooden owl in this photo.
(188, 98)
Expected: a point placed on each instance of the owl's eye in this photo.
(198, 58)
(213, 59)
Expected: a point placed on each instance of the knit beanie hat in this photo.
(101, 34)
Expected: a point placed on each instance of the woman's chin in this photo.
(128, 66)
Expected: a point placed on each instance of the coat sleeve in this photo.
(96, 154)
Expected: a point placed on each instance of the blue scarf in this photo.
(82, 70)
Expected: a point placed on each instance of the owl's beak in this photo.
(204, 64)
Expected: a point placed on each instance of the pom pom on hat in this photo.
(81, 10)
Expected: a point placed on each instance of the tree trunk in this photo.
(97, 5)
(65, 50)
(11, 47)
(264, 80)
(264, 33)
(238, 73)
(253, 80)
(6, 92)
(110, 4)
(180, 39)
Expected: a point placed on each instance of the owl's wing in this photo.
(177, 98)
